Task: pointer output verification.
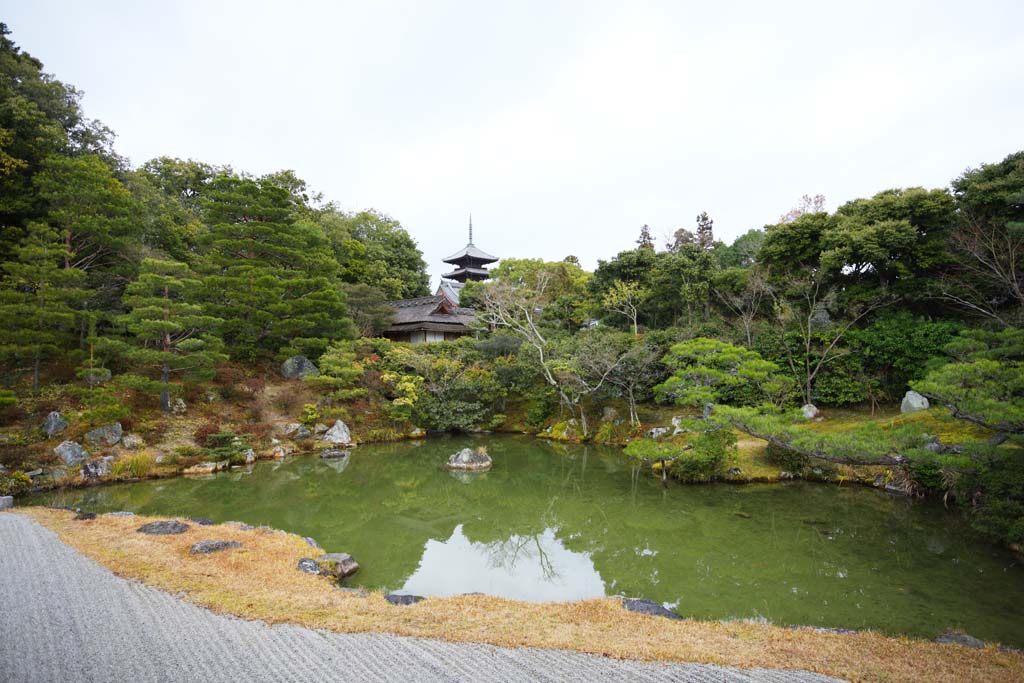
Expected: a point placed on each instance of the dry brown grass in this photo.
(260, 581)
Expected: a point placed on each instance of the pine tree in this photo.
(645, 241)
(705, 231)
(38, 301)
(169, 331)
(271, 278)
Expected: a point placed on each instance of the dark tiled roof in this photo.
(429, 309)
(467, 271)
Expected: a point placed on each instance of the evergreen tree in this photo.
(38, 301)
(271, 278)
(169, 331)
(705, 231)
(645, 241)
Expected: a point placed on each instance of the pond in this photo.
(557, 522)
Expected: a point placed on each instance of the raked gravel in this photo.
(63, 617)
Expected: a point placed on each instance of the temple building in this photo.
(439, 317)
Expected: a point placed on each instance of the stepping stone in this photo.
(207, 547)
(163, 528)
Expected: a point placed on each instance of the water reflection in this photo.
(338, 464)
(537, 568)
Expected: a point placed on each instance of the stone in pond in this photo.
(960, 638)
(913, 402)
(6, 502)
(468, 459)
(309, 566)
(71, 453)
(164, 527)
(338, 565)
(207, 547)
(54, 423)
(643, 606)
(298, 367)
(395, 599)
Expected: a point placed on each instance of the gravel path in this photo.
(65, 618)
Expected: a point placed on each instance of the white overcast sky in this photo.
(562, 126)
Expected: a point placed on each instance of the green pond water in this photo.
(554, 522)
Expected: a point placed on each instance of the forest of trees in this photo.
(163, 273)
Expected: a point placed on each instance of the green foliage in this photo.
(711, 371)
(542, 405)
(14, 483)
(995, 490)
(712, 451)
(169, 332)
(268, 275)
(443, 387)
(310, 415)
(7, 398)
(102, 406)
(649, 450)
(340, 371)
(39, 295)
(986, 384)
(787, 459)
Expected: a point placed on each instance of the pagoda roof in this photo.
(467, 271)
(470, 251)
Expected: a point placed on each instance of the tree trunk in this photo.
(165, 392)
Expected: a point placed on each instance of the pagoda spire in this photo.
(471, 228)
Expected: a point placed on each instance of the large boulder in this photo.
(54, 423)
(468, 459)
(678, 426)
(132, 442)
(339, 435)
(71, 453)
(97, 468)
(913, 402)
(296, 431)
(179, 407)
(298, 367)
(107, 435)
(338, 565)
(657, 432)
(810, 411)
